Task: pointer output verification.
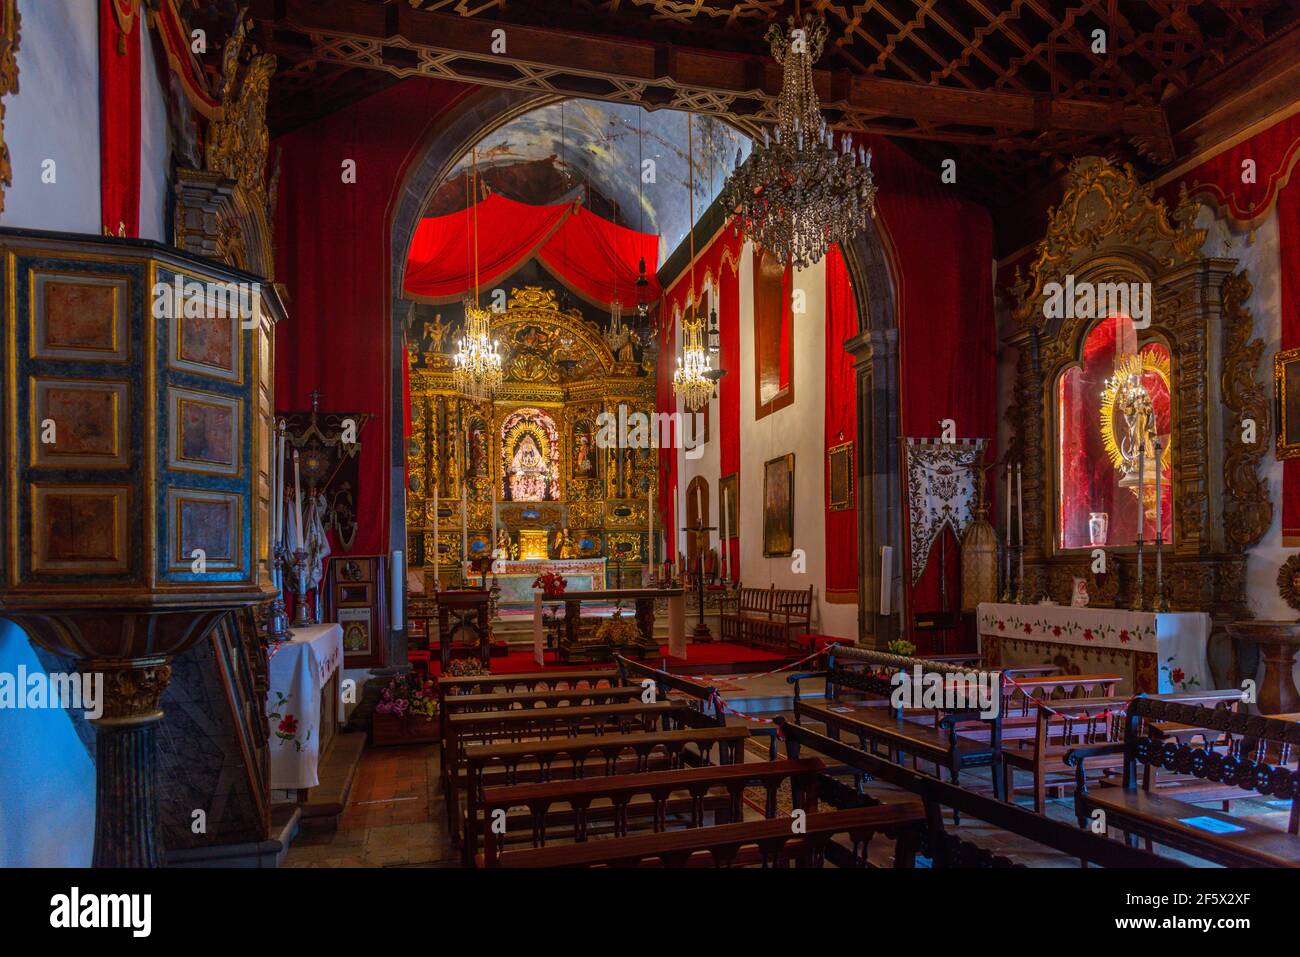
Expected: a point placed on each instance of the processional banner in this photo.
(941, 490)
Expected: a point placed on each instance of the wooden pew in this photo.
(923, 734)
(1213, 835)
(662, 791)
(701, 699)
(764, 617)
(941, 845)
(488, 765)
(769, 843)
(1063, 725)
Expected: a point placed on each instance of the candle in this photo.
(277, 490)
(1159, 522)
(672, 558)
(1020, 506)
(726, 534)
(464, 526)
(494, 516)
(650, 528)
(1142, 481)
(435, 532)
(297, 497)
(1008, 504)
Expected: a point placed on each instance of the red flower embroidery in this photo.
(1028, 629)
(1123, 635)
(1002, 626)
(1056, 631)
(289, 725)
(1177, 675)
(1087, 634)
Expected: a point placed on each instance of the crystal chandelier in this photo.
(692, 380)
(797, 193)
(477, 363)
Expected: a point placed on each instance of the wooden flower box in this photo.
(391, 729)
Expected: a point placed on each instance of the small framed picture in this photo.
(840, 466)
(1286, 383)
(729, 489)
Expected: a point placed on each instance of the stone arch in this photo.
(875, 348)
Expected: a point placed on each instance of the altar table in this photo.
(676, 613)
(303, 703)
(1156, 653)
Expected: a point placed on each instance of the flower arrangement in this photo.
(551, 584)
(901, 647)
(617, 630)
(408, 694)
(466, 668)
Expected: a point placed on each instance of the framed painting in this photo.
(729, 489)
(840, 468)
(1286, 383)
(778, 506)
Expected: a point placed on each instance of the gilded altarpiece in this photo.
(1199, 358)
(561, 491)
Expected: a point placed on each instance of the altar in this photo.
(1156, 653)
(303, 704)
(515, 578)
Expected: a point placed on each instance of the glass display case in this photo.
(1113, 409)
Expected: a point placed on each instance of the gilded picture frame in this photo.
(729, 492)
(839, 465)
(778, 506)
(1286, 387)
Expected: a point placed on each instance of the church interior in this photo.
(727, 434)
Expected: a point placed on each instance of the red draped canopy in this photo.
(593, 257)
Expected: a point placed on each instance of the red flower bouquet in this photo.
(550, 583)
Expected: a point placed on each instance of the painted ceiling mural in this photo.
(591, 149)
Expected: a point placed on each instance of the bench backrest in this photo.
(658, 786)
(1255, 759)
(792, 603)
(701, 699)
(768, 842)
(1022, 694)
(943, 847)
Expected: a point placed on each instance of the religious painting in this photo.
(778, 506)
(585, 459)
(729, 489)
(1286, 382)
(773, 334)
(355, 623)
(840, 469)
(530, 455)
(204, 432)
(79, 317)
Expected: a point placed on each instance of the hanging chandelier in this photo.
(477, 364)
(477, 369)
(692, 380)
(797, 193)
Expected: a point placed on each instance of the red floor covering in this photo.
(712, 653)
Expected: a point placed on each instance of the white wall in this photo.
(47, 780)
(55, 116)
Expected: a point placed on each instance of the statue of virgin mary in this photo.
(529, 475)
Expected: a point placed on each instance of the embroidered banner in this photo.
(941, 486)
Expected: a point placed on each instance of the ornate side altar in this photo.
(1136, 367)
(1154, 652)
(528, 470)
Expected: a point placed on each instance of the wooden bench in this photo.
(923, 734)
(1060, 726)
(938, 843)
(765, 617)
(489, 765)
(1165, 819)
(766, 843)
(701, 699)
(662, 791)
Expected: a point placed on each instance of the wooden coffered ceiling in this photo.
(1010, 88)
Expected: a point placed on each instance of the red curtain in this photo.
(175, 42)
(1275, 153)
(334, 257)
(597, 259)
(119, 117)
(841, 426)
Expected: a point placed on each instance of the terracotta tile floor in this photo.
(395, 816)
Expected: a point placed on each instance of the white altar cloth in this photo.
(1177, 639)
(299, 669)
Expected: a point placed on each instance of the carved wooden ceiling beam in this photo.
(404, 41)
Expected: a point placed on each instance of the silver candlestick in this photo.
(1161, 604)
(277, 625)
(300, 617)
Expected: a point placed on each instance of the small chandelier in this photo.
(477, 363)
(693, 380)
(797, 193)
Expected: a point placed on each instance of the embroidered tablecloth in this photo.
(299, 669)
(1177, 640)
